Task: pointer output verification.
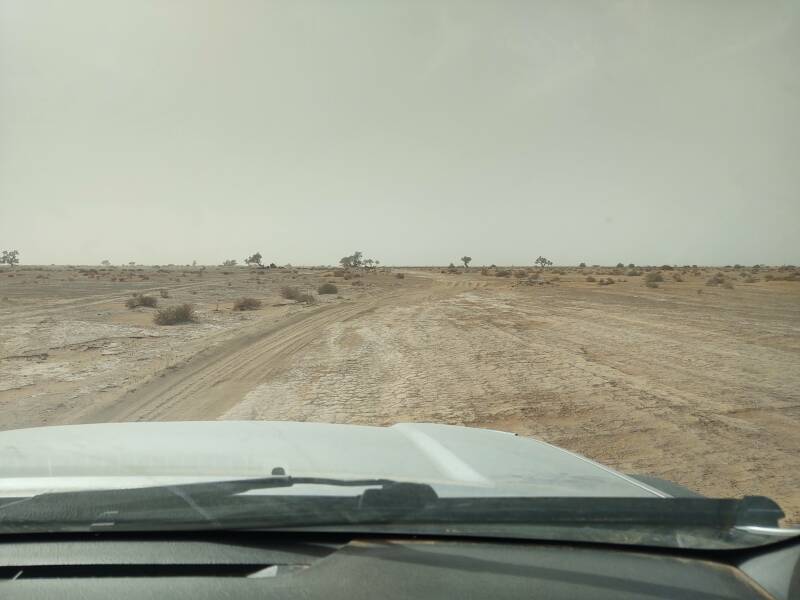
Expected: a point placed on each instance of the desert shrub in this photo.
(728, 285)
(338, 273)
(503, 273)
(606, 281)
(173, 315)
(400, 275)
(247, 304)
(654, 277)
(556, 278)
(348, 276)
(633, 273)
(357, 282)
(750, 279)
(138, 300)
(717, 279)
(789, 277)
(677, 278)
(327, 288)
(484, 271)
(519, 274)
(666, 267)
(292, 293)
(164, 293)
(591, 279)
(651, 284)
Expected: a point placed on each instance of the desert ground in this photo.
(696, 383)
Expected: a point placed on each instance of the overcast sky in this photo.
(169, 131)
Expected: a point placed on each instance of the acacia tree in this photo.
(354, 260)
(543, 262)
(255, 259)
(466, 260)
(10, 257)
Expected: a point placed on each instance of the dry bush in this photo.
(348, 276)
(400, 275)
(484, 271)
(338, 273)
(789, 277)
(138, 300)
(633, 273)
(717, 279)
(357, 282)
(503, 273)
(590, 279)
(247, 304)
(654, 277)
(606, 281)
(173, 315)
(164, 293)
(750, 279)
(327, 288)
(292, 293)
(677, 278)
(728, 285)
(519, 274)
(651, 284)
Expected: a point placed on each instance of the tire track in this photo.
(215, 380)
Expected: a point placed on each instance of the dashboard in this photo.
(332, 566)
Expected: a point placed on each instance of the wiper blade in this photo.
(218, 504)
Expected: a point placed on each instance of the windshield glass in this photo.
(508, 269)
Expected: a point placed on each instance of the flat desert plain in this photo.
(696, 383)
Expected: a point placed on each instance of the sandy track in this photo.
(213, 382)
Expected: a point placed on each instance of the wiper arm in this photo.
(219, 504)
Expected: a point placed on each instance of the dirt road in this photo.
(697, 384)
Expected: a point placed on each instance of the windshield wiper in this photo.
(218, 504)
(225, 504)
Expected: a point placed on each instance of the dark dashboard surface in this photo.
(265, 565)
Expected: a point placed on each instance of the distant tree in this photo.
(620, 265)
(231, 262)
(369, 262)
(466, 260)
(255, 259)
(273, 266)
(354, 260)
(106, 263)
(132, 263)
(631, 265)
(10, 257)
(582, 265)
(543, 262)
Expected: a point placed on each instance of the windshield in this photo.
(496, 269)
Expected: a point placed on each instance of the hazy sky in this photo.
(168, 131)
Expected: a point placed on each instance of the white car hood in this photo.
(455, 460)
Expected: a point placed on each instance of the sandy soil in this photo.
(697, 384)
